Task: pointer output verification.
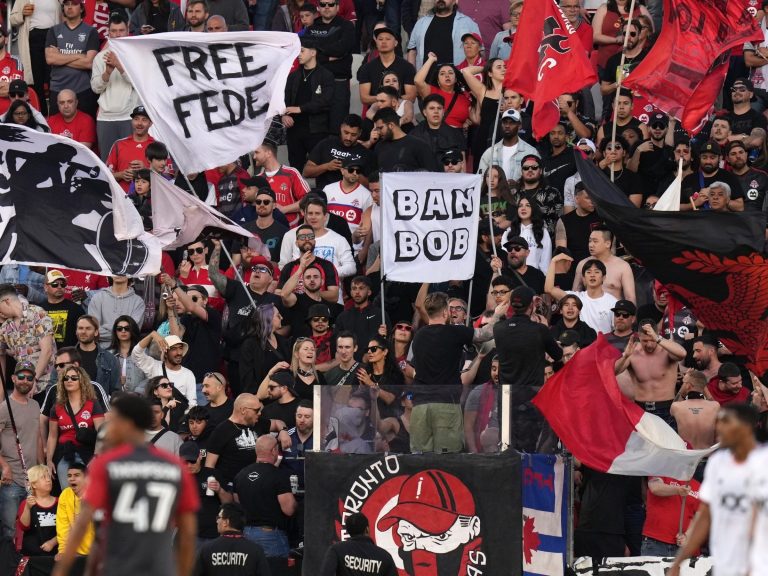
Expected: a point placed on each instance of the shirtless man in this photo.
(652, 365)
(619, 280)
(694, 412)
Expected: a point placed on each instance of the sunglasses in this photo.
(622, 314)
(196, 250)
(165, 385)
(305, 237)
(658, 126)
(262, 269)
(61, 365)
(214, 376)
(457, 308)
(319, 319)
(353, 170)
(516, 249)
(531, 167)
(122, 328)
(262, 202)
(71, 378)
(58, 284)
(28, 377)
(326, 4)
(372, 349)
(404, 327)
(738, 89)
(500, 292)
(16, 94)
(451, 162)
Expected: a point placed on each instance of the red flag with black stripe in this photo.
(547, 60)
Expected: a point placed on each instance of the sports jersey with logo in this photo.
(289, 187)
(125, 151)
(349, 205)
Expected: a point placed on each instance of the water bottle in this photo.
(294, 484)
(208, 491)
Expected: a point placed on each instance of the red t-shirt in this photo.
(84, 418)
(124, 152)
(460, 111)
(77, 280)
(10, 69)
(82, 128)
(662, 516)
(724, 398)
(289, 187)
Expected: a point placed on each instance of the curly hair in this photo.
(86, 387)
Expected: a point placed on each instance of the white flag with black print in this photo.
(210, 96)
(60, 206)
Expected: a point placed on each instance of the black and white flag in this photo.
(61, 207)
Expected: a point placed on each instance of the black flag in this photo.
(710, 261)
(60, 206)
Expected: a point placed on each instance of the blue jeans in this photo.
(10, 500)
(273, 542)
(653, 547)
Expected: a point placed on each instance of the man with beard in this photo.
(619, 280)
(653, 366)
(695, 187)
(262, 198)
(754, 182)
(533, 188)
(624, 118)
(173, 351)
(573, 229)
(101, 365)
(196, 15)
(286, 182)
(624, 314)
(128, 154)
(508, 153)
(440, 32)
(324, 162)
(619, 67)
(299, 304)
(305, 241)
(63, 312)
(570, 310)
(516, 268)
(396, 151)
(705, 357)
(558, 165)
(363, 319)
(681, 151)
(348, 199)
(743, 118)
(652, 159)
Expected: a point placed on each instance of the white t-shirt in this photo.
(597, 311)
(758, 489)
(507, 152)
(725, 489)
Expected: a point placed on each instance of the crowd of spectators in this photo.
(232, 367)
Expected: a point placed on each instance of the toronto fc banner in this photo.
(545, 514)
(210, 96)
(60, 206)
(429, 226)
(437, 515)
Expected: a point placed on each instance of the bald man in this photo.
(72, 123)
(265, 492)
(695, 412)
(232, 444)
(216, 23)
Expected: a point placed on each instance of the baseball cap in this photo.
(262, 261)
(18, 87)
(140, 111)
(588, 143)
(383, 30)
(746, 82)
(474, 35)
(431, 500)
(516, 241)
(511, 114)
(521, 298)
(625, 306)
(318, 310)
(25, 366)
(257, 181)
(659, 118)
(454, 155)
(352, 161)
(54, 275)
(283, 378)
(189, 451)
(710, 147)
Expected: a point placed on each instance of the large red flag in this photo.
(546, 43)
(684, 71)
(627, 439)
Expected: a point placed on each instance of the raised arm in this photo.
(549, 283)
(420, 80)
(214, 273)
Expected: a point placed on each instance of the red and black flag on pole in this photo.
(547, 60)
(711, 261)
(685, 70)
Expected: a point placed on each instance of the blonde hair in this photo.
(86, 388)
(37, 473)
(295, 355)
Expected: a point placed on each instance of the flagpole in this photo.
(381, 247)
(469, 301)
(490, 166)
(620, 78)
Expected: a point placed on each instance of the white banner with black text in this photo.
(429, 226)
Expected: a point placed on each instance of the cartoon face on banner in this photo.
(42, 174)
(426, 520)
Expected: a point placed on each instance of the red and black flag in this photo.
(546, 43)
(711, 261)
(684, 71)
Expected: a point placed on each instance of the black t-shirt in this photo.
(533, 278)
(285, 412)
(440, 140)
(42, 527)
(754, 184)
(628, 182)
(203, 338)
(330, 277)
(332, 148)
(298, 315)
(557, 169)
(744, 123)
(232, 555)
(257, 488)
(209, 508)
(618, 342)
(654, 166)
(630, 63)
(217, 414)
(240, 308)
(437, 353)
(372, 72)
(229, 194)
(439, 38)
(89, 362)
(698, 180)
(64, 316)
(408, 154)
(603, 502)
(272, 236)
(235, 446)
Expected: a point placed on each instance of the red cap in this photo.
(474, 35)
(262, 261)
(431, 500)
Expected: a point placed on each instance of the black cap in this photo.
(710, 147)
(352, 161)
(516, 241)
(189, 451)
(139, 111)
(746, 82)
(257, 181)
(625, 306)
(384, 29)
(318, 310)
(522, 296)
(451, 155)
(18, 87)
(659, 118)
(283, 378)
(569, 338)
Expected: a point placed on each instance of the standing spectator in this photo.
(529, 225)
(436, 134)
(360, 550)
(666, 501)
(286, 182)
(608, 28)
(283, 402)
(128, 154)
(118, 299)
(117, 97)
(501, 46)
(264, 491)
(12, 76)
(694, 413)
(155, 16)
(229, 188)
(335, 39)
(219, 406)
(653, 158)
(634, 53)
(26, 417)
(64, 313)
(624, 316)
(71, 122)
(157, 433)
(754, 182)
(728, 387)
(570, 319)
(233, 13)
(196, 15)
(26, 281)
(309, 95)
(363, 319)
(618, 280)
(70, 49)
(472, 44)
(216, 23)
(558, 164)
(445, 83)
(265, 226)
(371, 74)
(572, 10)
(521, 345)
(101, 365)
(695, 187)
(516, 269)
(615, 154)
(396, 151)
(173, 351)
(33, 19)
(345, 371)
(490, 16)
(68, 510)
(172, 403)
(440, 33)
(76, 416)
(348, 199)
(194, 271)
(744, 119)
(262, 346)
(26, 332)
(125, 335)
(325, 159)
(510, 151)
(481, 415)
(574, 228)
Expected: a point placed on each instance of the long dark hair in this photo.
(163, 6)
(392, 373)
(259, 324)
(503, 188)
(537, 220)
(133, 330)
(31, 123)
(434, 74)
(487, 81)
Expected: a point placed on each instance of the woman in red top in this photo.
(457, 102)
(74, 420)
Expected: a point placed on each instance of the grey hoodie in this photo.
(108, 306)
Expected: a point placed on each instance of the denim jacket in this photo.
(108, 371)
(462, 24)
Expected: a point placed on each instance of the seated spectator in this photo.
(72, 123)
(36, 535)
(69, 507)
(158, 433)
(116, 300)
(174, 405)
(21, 113)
